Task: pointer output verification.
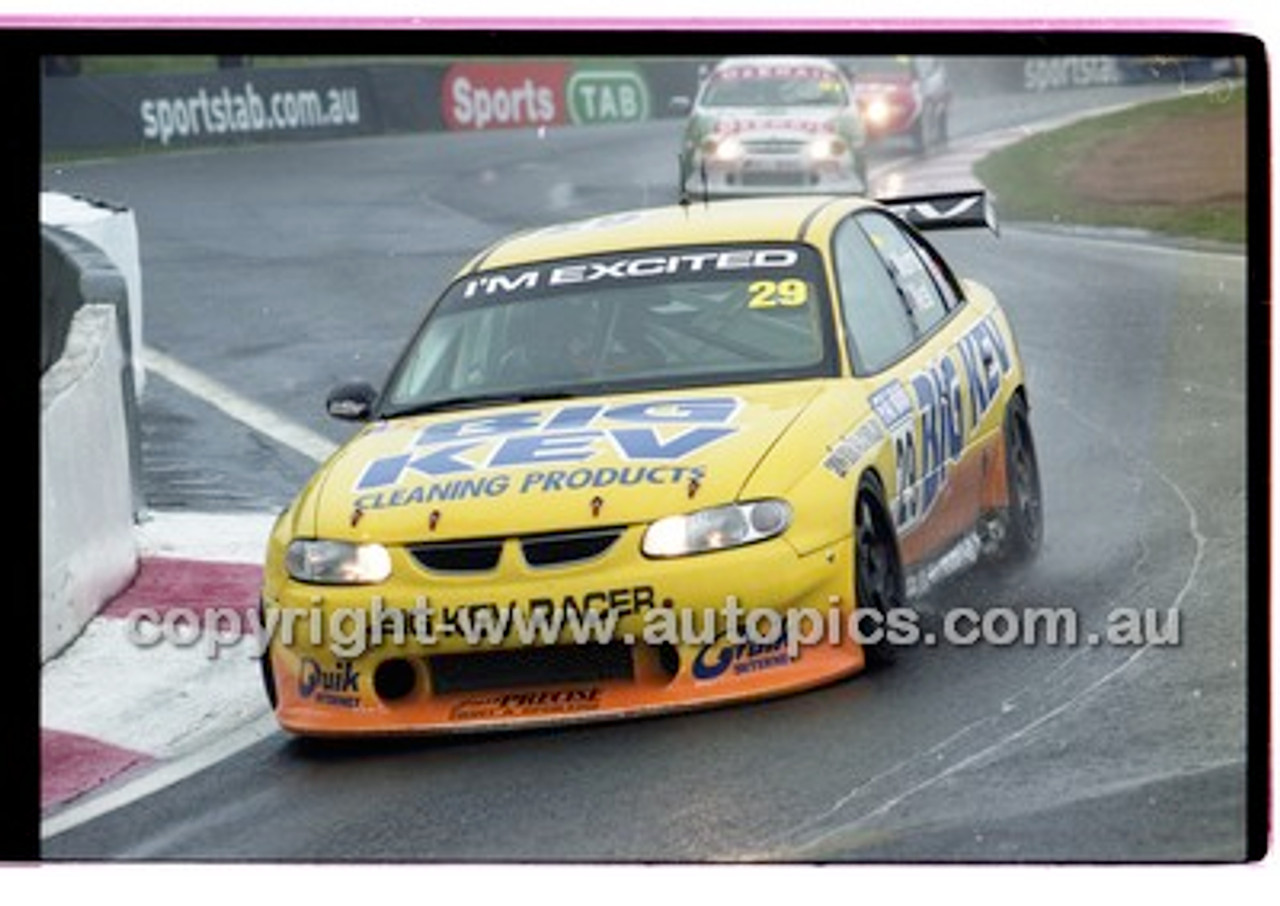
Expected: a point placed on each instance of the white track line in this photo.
(167, 772)
(244, 410)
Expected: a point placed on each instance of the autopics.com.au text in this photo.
(350, 632)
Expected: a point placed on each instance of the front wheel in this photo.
(880, 584)
(1024, 528)
(268, 675)
(268, 679)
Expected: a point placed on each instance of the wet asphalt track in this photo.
(280, 271)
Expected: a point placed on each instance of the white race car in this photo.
(764, 125)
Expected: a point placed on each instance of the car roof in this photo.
(698, 223)
(731, 62)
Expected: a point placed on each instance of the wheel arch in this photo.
(870, 475)
(994, 496)
(877, 653)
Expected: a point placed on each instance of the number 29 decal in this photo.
(789, 293)
(907, 504)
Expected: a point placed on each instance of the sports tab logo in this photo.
(478, 96)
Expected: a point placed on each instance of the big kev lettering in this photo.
(926, 447)
(986, 359)
(661, 431)
(941, 437)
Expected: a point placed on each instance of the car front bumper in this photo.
(668, 644)
(765, 175)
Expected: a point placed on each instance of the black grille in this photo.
(459, 556)
(773, 146)
(784, 178)
(478, 671)
(483, 554)
(567, 547)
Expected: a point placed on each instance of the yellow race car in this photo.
(655, 460)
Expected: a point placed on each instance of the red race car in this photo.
(902, 95)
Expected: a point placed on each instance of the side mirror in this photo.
(352, 402)
(680, 104)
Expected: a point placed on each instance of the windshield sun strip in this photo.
(695, 267)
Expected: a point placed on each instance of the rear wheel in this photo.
(1025, 524)
(879, 580)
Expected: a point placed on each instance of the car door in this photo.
(903, 314)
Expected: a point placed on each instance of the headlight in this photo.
(877, 112)
(337, 562)
(716, 529)
(728, 148)
(829, 147)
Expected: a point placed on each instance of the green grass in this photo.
(1032, 178)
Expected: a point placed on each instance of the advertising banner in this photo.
(523, 95)
(480, 96)
(235, 107)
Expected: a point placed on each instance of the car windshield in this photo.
(656, 319)
(863, 67)
(774, 86)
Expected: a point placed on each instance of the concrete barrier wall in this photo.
(90, 489)
(77, 271)
(87, 547)
(111, 230)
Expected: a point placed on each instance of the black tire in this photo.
(1024, 526)
(264, 664)
(919, 138)
(268, 679)
(879, 582)
(924, 134)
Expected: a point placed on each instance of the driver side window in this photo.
(877, 322)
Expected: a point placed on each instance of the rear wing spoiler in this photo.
(946, 210)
